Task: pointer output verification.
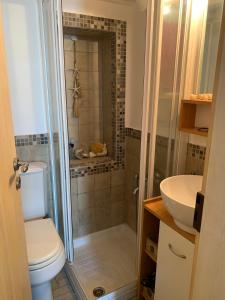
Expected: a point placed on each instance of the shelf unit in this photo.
(151, 256)
(188, 116)
(154, 212)
(146, 296)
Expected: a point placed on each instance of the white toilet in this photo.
(46, 255)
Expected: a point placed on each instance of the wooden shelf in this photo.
(188, 115)
(197, 101)
(194, 131)
(148, 264)
(151, 256)
(157, 208)
(146, 296)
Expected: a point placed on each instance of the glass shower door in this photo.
(166, 75)
(52, 38)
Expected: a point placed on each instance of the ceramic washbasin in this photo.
(179, 195)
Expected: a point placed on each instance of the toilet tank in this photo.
(34, 191)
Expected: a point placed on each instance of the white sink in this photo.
(179, 195)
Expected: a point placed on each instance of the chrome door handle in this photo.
(22, 165)
(176, 253)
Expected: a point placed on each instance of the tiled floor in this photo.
(62, 289)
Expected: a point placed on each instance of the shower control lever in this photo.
(136, 190)
(23, 165)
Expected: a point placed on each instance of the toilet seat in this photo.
(46, 255)
(47, 262)
(47, 273)
(43, 243)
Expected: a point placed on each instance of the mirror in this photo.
(213, 23)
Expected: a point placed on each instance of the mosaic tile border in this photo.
(196, 151)
(72, 20)
(95, 168)
(133, 133)
(31, 140)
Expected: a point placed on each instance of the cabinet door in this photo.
(174, 265)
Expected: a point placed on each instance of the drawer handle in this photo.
(175, 252)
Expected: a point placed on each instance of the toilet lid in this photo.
(42, 239)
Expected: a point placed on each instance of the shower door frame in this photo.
(149, 113)
(67, 206)
(54, 8)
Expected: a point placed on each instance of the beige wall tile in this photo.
(93, 46)
(81, 46)
(101, 181)
(69, 99)
(73, 133)
(94, 98)
(86, 229)
(69, 80)
(86, 46)
(102, 218)
(87, 62)
(69, 60)
(117, 213)
(84, 133)
(87, 217)
(102, 198)
(85, 116)
(117, 177)
(74, 186)
(85, 200)
(117, 193)
(68, 44)
(82, 61)
(85, 184)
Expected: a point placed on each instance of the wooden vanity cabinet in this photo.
(175, 253)
(174, 265)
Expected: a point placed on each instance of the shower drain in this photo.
(98, 291)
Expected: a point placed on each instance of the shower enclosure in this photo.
(95, 158)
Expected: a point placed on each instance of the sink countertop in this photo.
(156, 207)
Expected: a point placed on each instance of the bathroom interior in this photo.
(112, 104)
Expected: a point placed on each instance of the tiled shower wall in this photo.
(97, 188)
(87, 127)
(97, 202)
(195, 159)
(117, 30)
(132, 166)
(106, 49)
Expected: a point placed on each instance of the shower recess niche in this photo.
(90, 72)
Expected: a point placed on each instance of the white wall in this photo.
(136, 21)
(22, 41)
